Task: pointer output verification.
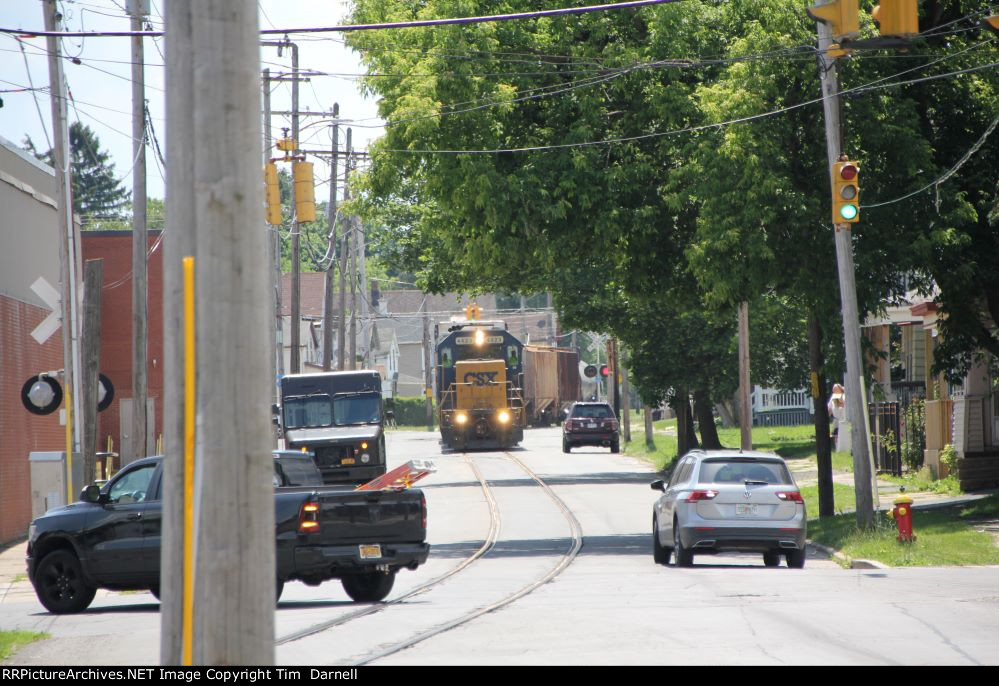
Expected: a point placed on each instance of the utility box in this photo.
(48, 480)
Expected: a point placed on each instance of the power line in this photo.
(946, 175)
(537, 14)
(703, 127)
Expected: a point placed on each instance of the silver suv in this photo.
(729, 500)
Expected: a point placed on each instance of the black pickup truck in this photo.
(111, 537)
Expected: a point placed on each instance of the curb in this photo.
(849, 562)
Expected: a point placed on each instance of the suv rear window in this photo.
(592, 412)
(738, 470)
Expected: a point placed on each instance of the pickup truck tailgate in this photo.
(370, 517)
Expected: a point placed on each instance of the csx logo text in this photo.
(481, 378)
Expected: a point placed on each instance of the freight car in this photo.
(551, 383)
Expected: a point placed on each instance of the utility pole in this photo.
(344, 252)
(277, 340)
(331, 249)
(353, 293)
(68, 253)
(140, 241)
(178, 242)
(361, 279)
(427, 367)
(92, 278)
(626, 405)
(829, 77)
(233, 602)
(745, 389)
(296, 227)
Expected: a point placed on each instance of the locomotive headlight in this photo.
(480, 337)
(365, 458)
(503, 416)
(364, 445)
(460, 418)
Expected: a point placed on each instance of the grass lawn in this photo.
(943, 537)
(843, 498)
(10, 641)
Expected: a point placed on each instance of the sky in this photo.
(101, 85)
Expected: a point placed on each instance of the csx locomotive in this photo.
(479, 398)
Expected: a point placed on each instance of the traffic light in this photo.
(991, 23)
(604, 371)
(899, 18)
(846, 192)
(305, 192)
(843, 17)
(273, 194)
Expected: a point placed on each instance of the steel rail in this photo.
(567, 558)
(492, 536)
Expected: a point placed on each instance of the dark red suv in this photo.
(590, 424)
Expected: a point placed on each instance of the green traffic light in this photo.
(848, 212)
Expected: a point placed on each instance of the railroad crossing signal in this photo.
(590, 371)
(846, 192)
(604, 370)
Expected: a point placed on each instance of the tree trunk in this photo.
(823, 445)
(727, 414)
(685, 437)
(649, 442)
(706, 420)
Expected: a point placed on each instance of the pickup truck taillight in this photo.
(308, 518)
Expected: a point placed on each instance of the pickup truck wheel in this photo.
(369, 587)
(615, 445)
(566, 448)
(60, 585)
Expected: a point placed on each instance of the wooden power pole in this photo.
(745, 389)
(331, 249)
(93, 271)
(855, 404)
(140, 243)
(341, 333)
(214, 109)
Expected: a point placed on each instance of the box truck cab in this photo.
(339, 418)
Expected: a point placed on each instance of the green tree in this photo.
(97, 194)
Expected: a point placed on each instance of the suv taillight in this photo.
(701, 495)
(308, 518)
(791, 496)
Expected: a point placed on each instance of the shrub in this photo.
(410, 411)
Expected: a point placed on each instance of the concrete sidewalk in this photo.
(14, 584)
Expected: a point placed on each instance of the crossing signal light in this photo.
(898, 18)
(843, 17)
(846, 192)
(273, 194)
(305, 192)
(604, 371)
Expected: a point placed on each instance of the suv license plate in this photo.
(746, 510)
(591, 425)
(348, 460)
(370, 552)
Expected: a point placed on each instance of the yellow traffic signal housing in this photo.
(305, 192)
(992, 23)
(273, 194)
(898, 18)
(843, 17)
(846, 192)
(285, 144)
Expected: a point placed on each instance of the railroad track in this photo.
(564, 562)
(487, 545)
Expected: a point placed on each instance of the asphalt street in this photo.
(610, 604)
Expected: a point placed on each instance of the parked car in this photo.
(590, 423)
(728, 500)
(111, 537)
